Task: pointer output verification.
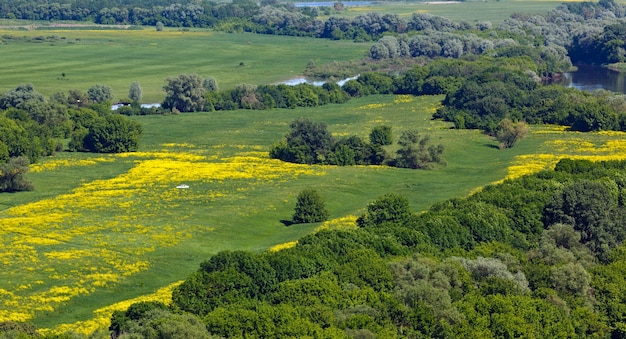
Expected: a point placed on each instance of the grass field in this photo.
(470, 11)
(116, 58)
(101, 229)
(104, 229)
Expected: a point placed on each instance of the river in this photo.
(591, 78)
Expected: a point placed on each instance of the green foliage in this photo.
(365, 268)
(122, 321)
(12, 175)
(381, 136)
(308, 142)
(508, 134)
(310, 207)
(160, 323)
(592, 210)
(12, 329)
(210, 84)
(390, 208)
(99, 94)
(494, 271)
(184, 93)
(416, 152)
(20, 96)
(110, 134)
(135, 92)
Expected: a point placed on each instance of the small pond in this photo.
(591, 78)
(303, 80)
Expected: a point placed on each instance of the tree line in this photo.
(480, 93)
(32, 126)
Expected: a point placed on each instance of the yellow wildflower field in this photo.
(344, 223)
(60, 248)
(596, 146)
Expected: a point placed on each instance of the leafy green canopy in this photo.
(494, 264)
(310, 207)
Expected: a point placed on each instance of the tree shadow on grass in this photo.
(288, 222)
(492, 146)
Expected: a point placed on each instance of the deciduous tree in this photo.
(12, 175)
(135, 92)
(99, 93)
(184, 93)
(509, 133)
(416, 151)
(310, 207)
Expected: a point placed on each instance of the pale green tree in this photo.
(135, 92)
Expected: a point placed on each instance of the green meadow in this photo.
(116, 58)
(469, 11)
(213, 214)
(100, 229)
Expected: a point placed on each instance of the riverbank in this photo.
(617, 67)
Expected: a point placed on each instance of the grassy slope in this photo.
(182, 228)
(248, 214)
(117, 58)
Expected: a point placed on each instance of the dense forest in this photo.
(541, 256)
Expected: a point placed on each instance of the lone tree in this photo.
(310, 207)
(12, 175)
(135, 92)
(509, 133)
(185, 93)
(416, 152)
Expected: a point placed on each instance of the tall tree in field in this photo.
(509, 133)
(310, 207)
(184, 93)
(99, 93)
(12, 175)
(416, 151)
(135, 92)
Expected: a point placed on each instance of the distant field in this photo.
(101, 229)
(495, 10)
(116, 58)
